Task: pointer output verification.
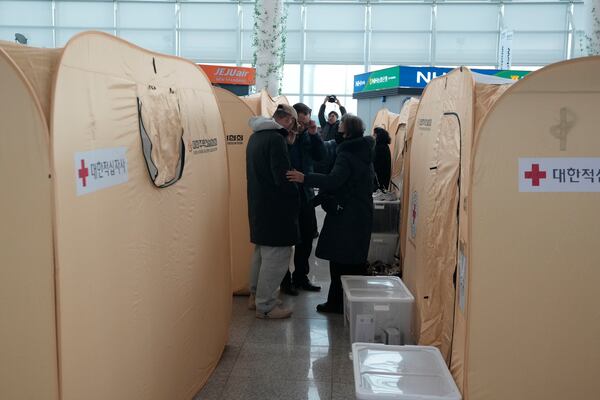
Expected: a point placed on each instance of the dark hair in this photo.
(353, 126)
(333, 112)
(302, 108)
(382, 136)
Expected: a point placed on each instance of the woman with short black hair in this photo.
(346, 196)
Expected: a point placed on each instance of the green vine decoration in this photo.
(269, 44)
(591, 44)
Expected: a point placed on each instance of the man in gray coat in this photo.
(273, 206)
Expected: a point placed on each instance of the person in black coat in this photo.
(329, 126)
(273, 206)
(346, 196)
(306, 149)
(383, 159)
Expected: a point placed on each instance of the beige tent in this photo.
(445, 116)
(263, 104)
(28, 350)
(138, 221)
(413, 106)
(408, 112)
(527, 318)
(235, 114)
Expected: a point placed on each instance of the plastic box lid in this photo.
(375, 288)
(401, 372)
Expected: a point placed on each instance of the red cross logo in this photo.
(535, 175)
(83, 173)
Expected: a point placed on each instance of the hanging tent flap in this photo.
(28, 358)
(532, 317)
(143, 277)
(445, 112)
(269, 104)
(236, 114)
(39, 66)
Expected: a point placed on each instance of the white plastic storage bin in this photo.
(383, 247)
(376, 304)
(386, 216)
(401, 373)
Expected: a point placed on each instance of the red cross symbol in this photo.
(535, 175)
(83, 173)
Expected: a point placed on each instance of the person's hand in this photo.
(326, 99)
(337, 101)
(312, 127)
(295, 176)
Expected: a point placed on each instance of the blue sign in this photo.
(416, 77)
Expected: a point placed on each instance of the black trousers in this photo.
(336, 292)
(307, 220)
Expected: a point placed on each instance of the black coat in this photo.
(273, 201)
(345, 237)
(383, 165)
(310, 149)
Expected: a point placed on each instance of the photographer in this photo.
(329, 126)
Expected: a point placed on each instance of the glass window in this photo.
(467, 17)
(548, 17)
(291, 78)
(84, 14)
(26, 13)
(209, 16)
(209, 46)
(143, 16)
(400, 47)
(36, 37)
(335, 46)
(459, 48)
(330, 79)
(335, 17)
(401, 17)
(538, 48)
(315, 103)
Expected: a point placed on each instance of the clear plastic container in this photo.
(402, 373)
(383, 247)
(386, 216)
(384, 299)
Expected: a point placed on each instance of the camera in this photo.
(332, 98)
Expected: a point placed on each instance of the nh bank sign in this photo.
(415, 77)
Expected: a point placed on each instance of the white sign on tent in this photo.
(505, 49)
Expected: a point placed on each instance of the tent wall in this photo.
(39, 67)
(410, 128)
(236, 114)
(263, 104)
(531, 322)
(445, 110)
(143, 272)
(390, 122)
(28, 355)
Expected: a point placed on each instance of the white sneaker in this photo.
(277, 313)
(252, 302)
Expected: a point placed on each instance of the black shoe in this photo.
(309, 287)
(289, 290)
(327, 308)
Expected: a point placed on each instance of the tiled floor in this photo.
(305, 357)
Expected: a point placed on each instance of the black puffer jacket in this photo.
(273, 201)
(345, 236)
